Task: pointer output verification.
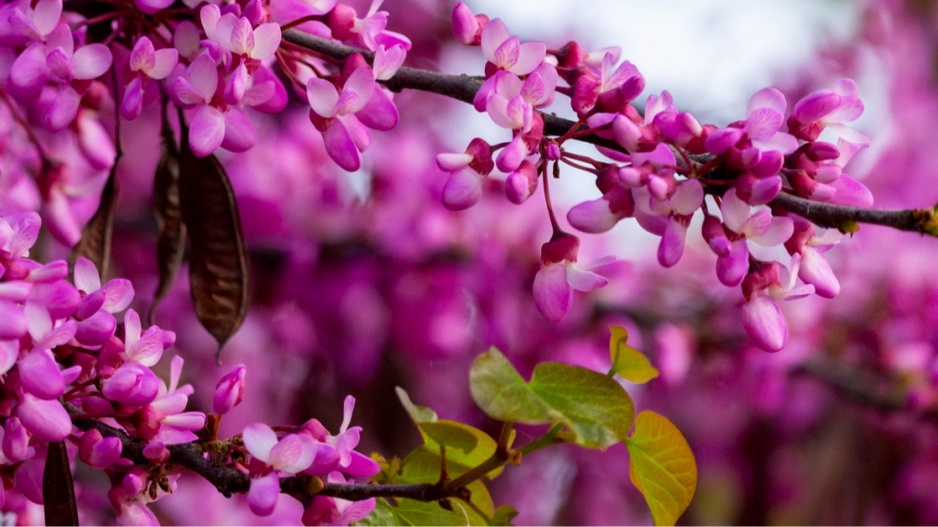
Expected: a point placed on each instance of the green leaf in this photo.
(466, 445)
(412, 512)
(662, 467)
(503, 515)
(382, 514)
(628, 362)
(502, 394)
(419, 414)
(423, 466)
(596, 408)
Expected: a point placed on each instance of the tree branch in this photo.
(229, 480)
(464, 88)
(862, 387)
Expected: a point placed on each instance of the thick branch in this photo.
(924, 221)
(464, 88)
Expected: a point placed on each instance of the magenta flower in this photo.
(506, 52)
(468, 171)
(212, 123)
(331, 111)
(290, 455)
(336, 511)
(146, 63)
(761, 227)
(762, 318)
(559, 275)
(165, 418)
(668, 215)
(72, 66)
(764, 117)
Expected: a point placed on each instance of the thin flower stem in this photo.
(299, 21)
(550, 209)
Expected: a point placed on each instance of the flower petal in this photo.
(552, 292)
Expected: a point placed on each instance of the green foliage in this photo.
(662, 467)
(595, 408)
(466, 446)
(412, 512)
(628, 362)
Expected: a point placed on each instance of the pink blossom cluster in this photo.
(60, 82)
(665, 166)
(63, 355)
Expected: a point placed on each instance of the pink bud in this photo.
(98, 451)
(229, 391)
(156, 452)
(15, 440)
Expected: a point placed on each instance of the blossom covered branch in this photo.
(464, 88)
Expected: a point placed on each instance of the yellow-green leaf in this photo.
(593, 406)
(419, 414)
(413, 512)
(423, 466)
(628, 362)
(662, 467)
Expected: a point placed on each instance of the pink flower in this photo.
(145, 63)
(559, 275)
(211, 126)
(764, 117)
(468, 171)
(506, 52)
(336, 511)
(292, 454)
(761, 227)
(71, 67)
(331, 112)
(762, 318)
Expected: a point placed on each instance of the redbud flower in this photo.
(331, 111)
(506, 52)
(292, 454)
(762, 318)
(468, 171)
(467, 28)
(559, 275)
(761, 227)
(229, 391)
(145, 63)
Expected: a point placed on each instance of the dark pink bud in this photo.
(715, 235)
(97, 451)
(481, 156)
(229, 391)
(466, 27)
(342, 22)
(90, 304)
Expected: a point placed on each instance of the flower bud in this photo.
(229, 391)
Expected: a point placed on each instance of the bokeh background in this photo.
(363, 282)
